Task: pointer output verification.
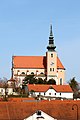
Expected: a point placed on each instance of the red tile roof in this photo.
(20, 99)
(29, 61)
(33, 62)
(38, 88)
(59, 64)
(61, 110)
(43, 88)
(62, 88)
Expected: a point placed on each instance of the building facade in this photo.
(50, 91)
(45, 67)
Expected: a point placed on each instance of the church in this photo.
(45, 67)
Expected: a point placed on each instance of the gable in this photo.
(39, 115)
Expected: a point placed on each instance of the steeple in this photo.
(51, 46)
(51, 34)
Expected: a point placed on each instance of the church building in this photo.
(45, 67)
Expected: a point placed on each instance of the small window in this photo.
(44, 93)
(39, 93)
(38, 112)
(51, 55)
(1, 90)
(60, 93)
(53, 69)
(49, 93)
(55, 93)
(50, 69)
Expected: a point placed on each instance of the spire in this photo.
(51, 34)
(51, 46)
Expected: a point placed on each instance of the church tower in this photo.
(51, 58)
(45, 67)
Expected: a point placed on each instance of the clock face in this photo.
(52, 63)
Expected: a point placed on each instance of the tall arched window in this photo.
(60, 81)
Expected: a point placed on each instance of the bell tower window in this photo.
(51, 54)
(50, 69)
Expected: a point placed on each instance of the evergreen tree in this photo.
(75, 87)
(73, 84)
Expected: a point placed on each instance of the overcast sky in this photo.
(25, 27)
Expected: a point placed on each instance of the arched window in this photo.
(60, 81)
(23, 72)
(51, 81)
(32, 73)
(41, 73)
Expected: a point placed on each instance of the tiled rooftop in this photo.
(44, 88)
(33, 62)
(61, 110)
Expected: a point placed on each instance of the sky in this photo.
(25, 28)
